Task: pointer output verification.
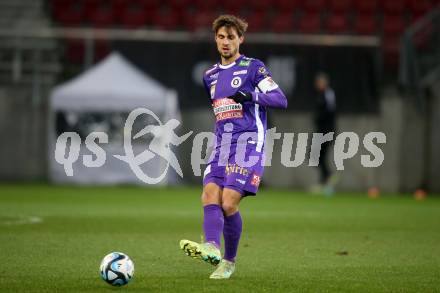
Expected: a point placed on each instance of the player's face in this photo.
(228, 42)
(321, 84)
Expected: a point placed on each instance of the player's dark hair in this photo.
(228, 21)
(322, 75)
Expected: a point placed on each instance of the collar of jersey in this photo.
(231, 64)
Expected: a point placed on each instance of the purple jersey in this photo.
(221, 82)
(247, 75)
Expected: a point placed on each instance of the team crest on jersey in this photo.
(214, 76)
(226, 108)
(236, 82)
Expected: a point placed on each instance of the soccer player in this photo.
(241, 89)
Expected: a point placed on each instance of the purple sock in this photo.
(213, 221)
(232, 233)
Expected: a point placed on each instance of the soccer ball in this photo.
(117, 269)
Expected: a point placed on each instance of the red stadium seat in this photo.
(256, 21)
(283, 22)
(260, 5)
(418, 8)
(101, 15)
(340, 6)
(314, 6)
(167, 19)
(286, 5)
(89, 7)
(310, 23)
(233, 6)
(148, 4)
(203, 20)
(134, 18)
(68, 12)
(176, 5)
(393, 25)
(366, 6)
(207, 4)
(366, 24)
(61, 4)
(188, 19)
(91, 4)
(337, 24)
(394, 7)
(72, 17)
(119, 6)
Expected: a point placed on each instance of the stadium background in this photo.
(383, 60)
(382, 82)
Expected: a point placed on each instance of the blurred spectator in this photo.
(325, 116)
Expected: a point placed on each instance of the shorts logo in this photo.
(255, 181)
(236, 82)
(227, 109)
(236, 169)
(241, 181)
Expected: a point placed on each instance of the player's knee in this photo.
(229, 208)
(210, 198)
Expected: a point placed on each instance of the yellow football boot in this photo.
(207, 251)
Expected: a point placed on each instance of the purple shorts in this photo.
(233, 175)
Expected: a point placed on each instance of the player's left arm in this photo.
(269, 93)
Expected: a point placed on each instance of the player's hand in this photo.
(241, 97)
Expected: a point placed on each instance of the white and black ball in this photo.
(117, 269)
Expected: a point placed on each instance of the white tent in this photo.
(113, 85)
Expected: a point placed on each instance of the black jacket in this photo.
(325, 112)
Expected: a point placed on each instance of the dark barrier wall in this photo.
(354, 71)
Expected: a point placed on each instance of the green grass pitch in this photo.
(52, 239)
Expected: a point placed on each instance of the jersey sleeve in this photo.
(267, 92)
(205, 85)
(260, 76)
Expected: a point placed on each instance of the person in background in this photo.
(325, 121)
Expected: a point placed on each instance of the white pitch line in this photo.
(22, 221)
